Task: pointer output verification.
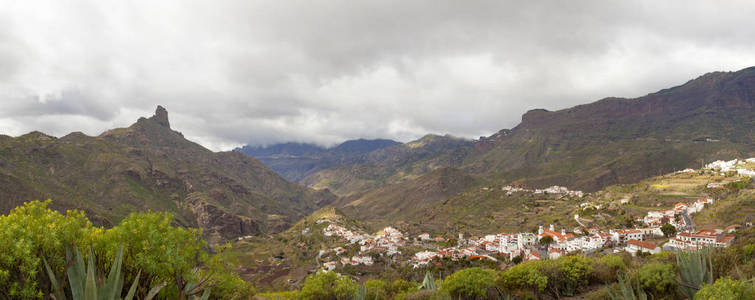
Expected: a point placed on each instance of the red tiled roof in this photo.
(642, 244)
(726, 238)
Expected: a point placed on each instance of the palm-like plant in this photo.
(695, 268)
(86, 284)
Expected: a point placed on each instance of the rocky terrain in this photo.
(149, 166)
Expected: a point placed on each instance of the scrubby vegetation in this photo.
(36, 246)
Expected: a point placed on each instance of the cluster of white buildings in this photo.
(658, 218)
(454, 253)
(593, 240)
(735, 165)
(702, 238)
(357, 260)
(387, 241)
(340, 231)
(510, 190)
(510, 245)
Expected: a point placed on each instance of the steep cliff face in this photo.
(149, 166)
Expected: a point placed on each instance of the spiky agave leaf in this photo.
(132, 290)
(695, 268)
(153, 292)
(76, 273)
(428, 283)
(58, 292)
(111, 288)
(90, 287)
(628, 289)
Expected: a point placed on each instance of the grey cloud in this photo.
(260, 72)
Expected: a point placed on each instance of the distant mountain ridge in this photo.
(295, 161)
(149, 166)
(586, 147)
(590, 146)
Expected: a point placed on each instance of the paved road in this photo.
(689, 222)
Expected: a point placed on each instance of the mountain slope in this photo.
(590, 146)
(403, 201)
(392, 165)
(294, 161)
(149, 166)
(622, 140)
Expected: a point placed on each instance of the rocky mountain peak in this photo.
(161, 116)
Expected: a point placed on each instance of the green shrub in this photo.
(605, 268)
(471, 283)
(401, 286)
(526, 276)
(658, 278)
(162, 252)
(33, 231)
(748, 250)
(326, 286)
(572, 273)
(152, 248)
(376, 289)
(726, 289)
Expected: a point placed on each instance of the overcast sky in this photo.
(260, 72)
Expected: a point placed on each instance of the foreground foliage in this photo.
(38, 245)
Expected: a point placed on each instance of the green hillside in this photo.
(149, 166)
(586, 147)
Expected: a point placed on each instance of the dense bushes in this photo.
(605, 268)
(33, 231)
(523, 276)
(328, 285)
(471, 283)
(564, 276)
(658, 278)
(160, 252)
(378, 289)
(726, 289)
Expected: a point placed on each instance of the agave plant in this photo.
(629, 291)
(83, 281)
(428, 283)
(361, 293)
(695, 268)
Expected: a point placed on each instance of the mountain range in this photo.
(294, 161)
(586, 147)
(150, 166)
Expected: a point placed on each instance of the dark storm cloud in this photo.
(259, 72)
